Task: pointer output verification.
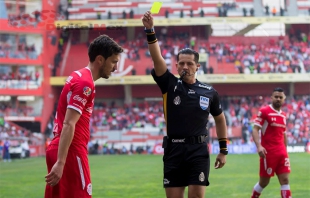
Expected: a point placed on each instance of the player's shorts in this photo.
(186, 164)
(75, 181)
(278, 164)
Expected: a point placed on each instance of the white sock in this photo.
(285, 187)
(258, 188)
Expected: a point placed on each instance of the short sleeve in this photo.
(260, 118)
(216, 107)
(81, 94)
(163, 81)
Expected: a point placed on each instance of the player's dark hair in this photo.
(189, 51)
(103, 45)
(278, 89)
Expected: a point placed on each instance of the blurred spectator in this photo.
(244, 12)
(167, 13)
(124, 14)
(98, 15)
(181, 14)
(281, 11)
(267, 10)
(131, 14)
(202, 14)
(274, 11)
(6, 152)
(252, 12)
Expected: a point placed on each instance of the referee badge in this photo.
(202, 177)
(204, 102)
(177, 100)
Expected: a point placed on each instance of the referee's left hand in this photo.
(220, 161)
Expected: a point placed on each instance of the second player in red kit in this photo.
(271, 121)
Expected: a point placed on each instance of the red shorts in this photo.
(278, 164)
(75, 180)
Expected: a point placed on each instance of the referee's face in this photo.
(187, 64)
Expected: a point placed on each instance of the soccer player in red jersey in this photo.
(66, 156)
(271, 121)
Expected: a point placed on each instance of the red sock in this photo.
(286, 194)
(255, 194)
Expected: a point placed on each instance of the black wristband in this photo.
(223, 146)
(151, 37)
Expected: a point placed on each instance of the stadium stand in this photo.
(128, 117)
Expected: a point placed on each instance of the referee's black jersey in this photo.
(187, 106)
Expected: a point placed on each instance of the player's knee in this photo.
(284, 181)
(263, 183)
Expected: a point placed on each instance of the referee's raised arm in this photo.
(159, 62)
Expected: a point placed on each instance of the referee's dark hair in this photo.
(103, 45)
(278, 89)
(189, 51)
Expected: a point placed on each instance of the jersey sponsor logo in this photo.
(69, 79)
(166, 181)
(86, 91)
(80, 99)
(277, 125)
(201, 177)
(204, 102)
(204, 86)
(178, 140)
(177, 100)
(190, 91)
(89, 189)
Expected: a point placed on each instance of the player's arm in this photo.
(71, 118)
(221, 131)
(285, 139)
(260, 149)
(255, 135)
(67, 133)
(160, 66)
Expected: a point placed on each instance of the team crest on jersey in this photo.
(269, 171)
(177, 100)
(201, 177)
(204, 102)
(87, 91)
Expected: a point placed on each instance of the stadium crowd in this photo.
(239, 111)
(7, 108)
(273, 57)
(10, 49)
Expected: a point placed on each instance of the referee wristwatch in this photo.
(149, 30)
(225, 152)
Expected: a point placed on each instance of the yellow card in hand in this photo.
(156, 7)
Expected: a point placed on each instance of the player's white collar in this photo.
(275, 109)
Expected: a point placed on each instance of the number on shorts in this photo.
(287, 162)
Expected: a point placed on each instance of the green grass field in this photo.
(140, 176)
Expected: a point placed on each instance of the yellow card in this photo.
(156, 7)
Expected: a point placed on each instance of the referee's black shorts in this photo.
(186, 164)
